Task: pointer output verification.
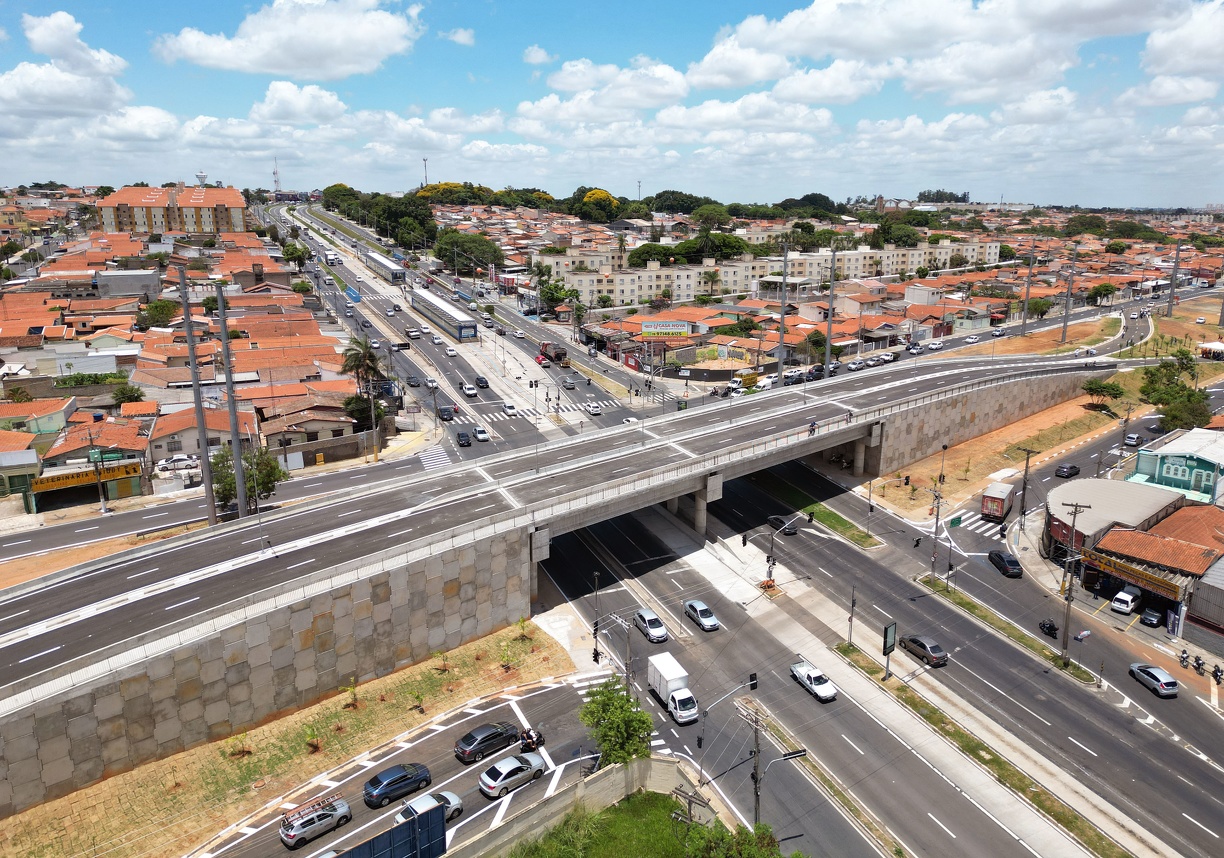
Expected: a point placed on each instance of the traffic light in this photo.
(907, 479)
(951, 567)
(744, 539)
(595, 655)
(752, 682)
(917, 541)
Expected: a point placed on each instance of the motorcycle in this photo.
(1184, 658)
(1048, 628)
(528, 744)
(1198, 664)
(1217, 674)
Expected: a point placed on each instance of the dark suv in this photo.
(1006, 563)
(486, 739)
(395, 782)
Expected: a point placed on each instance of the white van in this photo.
(1126, 601)
(764, 383)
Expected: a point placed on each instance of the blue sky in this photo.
(1095, 102)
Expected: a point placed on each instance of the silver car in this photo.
(696, 610)
(1158, 680)
(650, 625)
(509, 773)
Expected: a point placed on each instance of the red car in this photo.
(543, 361)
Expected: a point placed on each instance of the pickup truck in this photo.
(813, 679)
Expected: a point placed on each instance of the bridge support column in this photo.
(711, 492)
(673, 505)
(541, 540)
(860, 456)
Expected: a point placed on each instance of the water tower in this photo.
(202, 178)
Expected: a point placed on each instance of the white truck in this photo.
(814, 680)
(669, 682)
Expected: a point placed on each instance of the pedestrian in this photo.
(812, 428)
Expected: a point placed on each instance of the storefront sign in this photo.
(1134, 575)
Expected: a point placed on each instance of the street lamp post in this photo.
(96, 456)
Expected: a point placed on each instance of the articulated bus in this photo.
(445, 315)
(389, 269)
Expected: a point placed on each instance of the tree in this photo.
(362, 361)
(620, 728)
(104, 191)
(261, 470)
(1116, 247)
(127, 393)
(1101, 392)
(922, 271)
(711, 280)
(209, 304)
(958, 260)
(1100, 292)
(1006, 253)
(639, 256)
(1081, 223)
(295, 254)
(9, 248)
(467, 252)
(604, 301)
(1039, 307)
(357, 407)
(19, 394)
(156, 314)
(715, 841)
(711, 215)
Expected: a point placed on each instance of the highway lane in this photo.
(1100, 737)
(636, 568)
(375, 514)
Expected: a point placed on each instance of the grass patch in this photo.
(975, 749)
(1109, 328)
(802, 501)
(641, 824)
(1006, 628)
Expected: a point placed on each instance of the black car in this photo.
(486, 739)
(464, 439)
(1006, 563)
(413, 381)
(1067, 471)
(781, 523)
(365, 323)
(482, 382)
(395, 782)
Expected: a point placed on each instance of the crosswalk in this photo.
(973, 522)
(568, 408)
(434, 458)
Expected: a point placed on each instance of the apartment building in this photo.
(193, 210)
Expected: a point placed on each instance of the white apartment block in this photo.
(194, 210)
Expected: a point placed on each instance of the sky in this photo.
(1071, 102)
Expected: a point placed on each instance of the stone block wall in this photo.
(256, 670)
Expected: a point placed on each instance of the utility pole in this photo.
(828, 360)
(96, 455)
(853, 602)
(1067, 303)
(1028, 285)
(426, 161)
(1024, 492)
(210, 501)
(235, 434)
(1069, 582)
(754, 718)
(596, 654)
(1173, 279)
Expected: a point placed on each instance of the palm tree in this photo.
(362, 361)
(711, 279)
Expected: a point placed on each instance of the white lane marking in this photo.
(827, 573)
(312, 485)
(1004, 694)
(1085, 747)
(296, 565)
(146, 572)
(85, 529)
(39, 654)
(155, 515)
(852, 745)
(11, 544)
(11, 616)
(1200, 825)
(180, 604)
(882, 611)
(941, 825)
(348, 512)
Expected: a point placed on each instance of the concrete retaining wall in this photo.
(261, 668)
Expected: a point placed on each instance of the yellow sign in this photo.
(85, 478)
(1135, 575)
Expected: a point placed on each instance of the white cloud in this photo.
(454, 120)
(1202, 115)
(842, 82)
(412, 132)
(728, 64)
(647, 84)
(1038, 108)
(988, 71)
(755, 112)
(583, 107)
(482, 150)
(1169, 89)
(577, 75)
(537, 56)
(288, 104)
(460, 36)
(78, 81)
(312, 39)
(1188, 44)
(133, 124)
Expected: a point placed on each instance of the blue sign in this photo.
(353, 294)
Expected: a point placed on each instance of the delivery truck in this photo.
(669, 682)
(997, 501)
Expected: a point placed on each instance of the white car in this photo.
(518, 335)
(179, 462)
(593, 408)
(425, 329)
(450, 352)
(431, 382)
(359, 280)
(973, 338)
(436, 340)
(935, 345)
(375, 344)
(479, 434)
(510, 409)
